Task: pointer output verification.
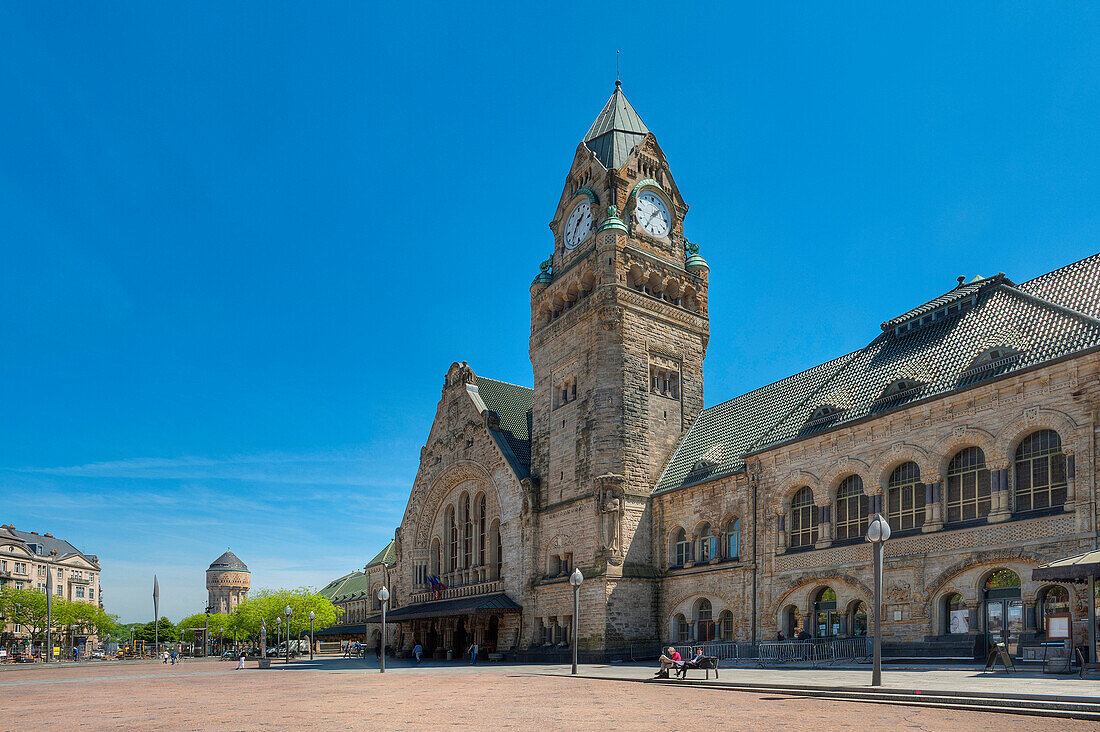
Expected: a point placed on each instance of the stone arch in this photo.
(791, 485)
(899, 454)
(801, 592)
(1033, 421)
(832, 479)
(433, 498)
(963, 437)
(981, 564)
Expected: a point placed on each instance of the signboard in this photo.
(960, 621)
(998, 652)
(57, 650)
(1059, 626)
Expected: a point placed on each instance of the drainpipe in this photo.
(755, 556)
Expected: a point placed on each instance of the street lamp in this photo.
(206, 634)
(878, 531)
(278, 633)
(575, 579)
(384, 596)
(287, 611)
(312, 617)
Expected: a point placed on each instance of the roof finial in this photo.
(618, 81)
(962, 279)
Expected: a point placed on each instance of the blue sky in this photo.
(242, 245)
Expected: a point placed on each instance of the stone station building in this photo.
(969, 421)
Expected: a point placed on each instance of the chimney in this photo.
(48, 534)
(962, 279)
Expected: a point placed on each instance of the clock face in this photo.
(578, 224)
(652, 213)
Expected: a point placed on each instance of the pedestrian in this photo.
(472, 650)
(174, 656)
(418, 651)
(779, 636)
(240, 662)
(76, 653)
(166, 656)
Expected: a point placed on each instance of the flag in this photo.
(437, 586)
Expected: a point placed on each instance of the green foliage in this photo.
(165, 631)
(271, 604)
(27, 607)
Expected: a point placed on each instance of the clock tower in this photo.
(619, 331)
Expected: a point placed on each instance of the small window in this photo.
(733, 539)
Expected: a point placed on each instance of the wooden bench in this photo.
(707, 663)
(495, 656)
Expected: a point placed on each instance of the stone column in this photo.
(1000, 507)
(824, 525)
(780, 532)
(933, 503)
(1071, 477)
(874, 502)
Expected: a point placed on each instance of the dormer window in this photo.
(823, 414)
(898, 392)
(991, 362)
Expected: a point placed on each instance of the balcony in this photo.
(79, 580)
(480, 588)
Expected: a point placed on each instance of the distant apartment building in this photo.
(27, 556)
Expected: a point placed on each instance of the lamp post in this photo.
(49, 612)
(287, 611)
(156, 614)
(206, 634)
(278, 633)
(312, 617)
(878, 531)
(384, 596)
(575, 579)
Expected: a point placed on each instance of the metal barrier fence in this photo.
(815, 652)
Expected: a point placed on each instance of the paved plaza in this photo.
(344, 694)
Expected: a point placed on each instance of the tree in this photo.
(270, 604)
(165, 631)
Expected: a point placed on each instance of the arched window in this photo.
(725, 625)
(967, 486)
(708, 544)
(857, 620)
(435, 557)
(1040, 472)
(851, 509)
(467, 535)
(452, 533)
(683, 630)
(499, 555)
(704, 617)
(1055, 602)
(681, 548)
(481, 538)
(733, 538)
(803, 519)
(905, 498)
(956, 617)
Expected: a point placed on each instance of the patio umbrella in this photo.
(1079, 568)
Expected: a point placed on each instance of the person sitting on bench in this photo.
(681, 670)
(667, 662)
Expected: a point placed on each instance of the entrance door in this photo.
(826, 618)
(491, 636)
(1004, 610)
(460, 639)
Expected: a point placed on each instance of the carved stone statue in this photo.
(611, 521)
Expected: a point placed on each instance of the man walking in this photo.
(473, 653)
(418, 651)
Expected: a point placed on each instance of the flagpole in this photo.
(156, 615)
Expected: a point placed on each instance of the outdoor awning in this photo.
(1070, 569)
(476, 605)
(358, 628)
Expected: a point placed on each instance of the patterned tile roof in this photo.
(387, 556)
(618, 129)
(961, 292)
(228, 562)
(47, 543)
(352, 586)
(1041, 320)
(513, 404)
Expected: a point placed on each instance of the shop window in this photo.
(1055, 602)
(725, 623)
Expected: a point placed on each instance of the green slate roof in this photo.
(386, 556)
(351, 586)
(618, 129)
(513, 404)
(1041, 320)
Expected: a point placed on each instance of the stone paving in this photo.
(344, 694)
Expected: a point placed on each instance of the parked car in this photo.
(98, 655)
